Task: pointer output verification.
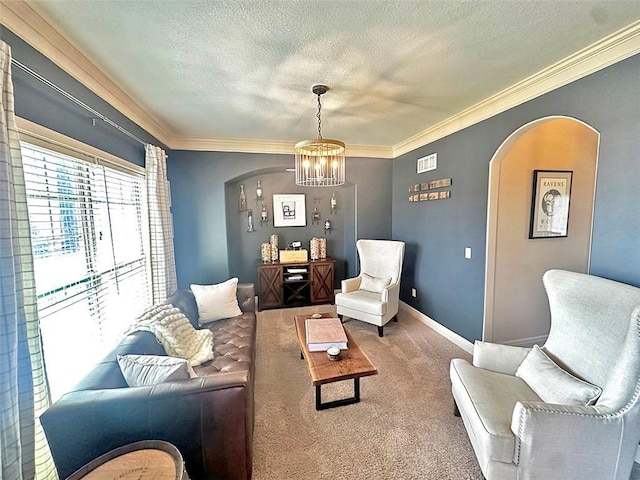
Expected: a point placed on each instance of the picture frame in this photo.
(550, 199)
(289, 210)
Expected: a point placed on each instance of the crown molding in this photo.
(611, 49)
(19, 17)
(257, 146)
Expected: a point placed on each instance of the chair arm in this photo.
(542, 430)
(498, 358)
(391, 295)
(351, 284)
(205, 418)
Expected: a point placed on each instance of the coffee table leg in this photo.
(319, 405)
(341, 402)
(356, 389)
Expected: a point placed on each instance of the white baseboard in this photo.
(441, 329)
(526, 342)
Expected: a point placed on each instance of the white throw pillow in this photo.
(144, 370)
(373, 284)
(218, 301)
(553, 384)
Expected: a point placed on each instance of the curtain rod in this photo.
(80, 103)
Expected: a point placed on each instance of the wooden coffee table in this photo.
(353, 364)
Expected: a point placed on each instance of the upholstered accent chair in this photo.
(373, 295)
(567, 410)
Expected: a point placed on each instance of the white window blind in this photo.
(90, 245)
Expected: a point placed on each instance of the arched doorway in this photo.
(516, 308)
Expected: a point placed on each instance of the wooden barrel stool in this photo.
(145, 460)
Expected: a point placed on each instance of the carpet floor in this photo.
(403, 427)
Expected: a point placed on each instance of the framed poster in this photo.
(289, 210)
(550, 203)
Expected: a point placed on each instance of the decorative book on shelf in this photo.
(294, 278)
(323, 333)
(296, 270)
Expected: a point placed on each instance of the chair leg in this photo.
(380, 332)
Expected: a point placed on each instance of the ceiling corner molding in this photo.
(19, 17)
(369, 151)
(605, 52)
(230, 145)
(263, 146)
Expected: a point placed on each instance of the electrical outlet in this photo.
(414, 294)
(467, 252)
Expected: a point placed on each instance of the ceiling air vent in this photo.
(428, 163)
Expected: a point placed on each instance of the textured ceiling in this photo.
(244, 69)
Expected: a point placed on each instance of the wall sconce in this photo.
(242, 200)
(315, 216)
(250, 228)
(334, 203)
(258, 192)
(264, 215)
(327, 226)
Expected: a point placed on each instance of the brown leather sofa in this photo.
(209, 418)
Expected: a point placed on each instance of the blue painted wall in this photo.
(450, 288)
(211, 241)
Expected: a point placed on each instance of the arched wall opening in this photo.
(515, 308)
(243, 247)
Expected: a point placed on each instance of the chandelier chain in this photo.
(319, 120)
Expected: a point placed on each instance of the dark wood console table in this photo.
(295, 284)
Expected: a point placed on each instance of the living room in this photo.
(211, 239)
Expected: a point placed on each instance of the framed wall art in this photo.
(289, 210)
(550, 203)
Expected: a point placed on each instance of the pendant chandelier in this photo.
(320, 162)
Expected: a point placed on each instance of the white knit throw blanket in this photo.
(176, 334)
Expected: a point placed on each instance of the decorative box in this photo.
(293, 256)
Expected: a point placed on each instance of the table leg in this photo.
(342, 401)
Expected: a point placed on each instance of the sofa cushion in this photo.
(216, 302)
(233, 345)
(373, 284)
(486, 400)
(186, 302)
(143, 370)
(553, 384)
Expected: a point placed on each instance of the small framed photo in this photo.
(550, 203)
(289, 210)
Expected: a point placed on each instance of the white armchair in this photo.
(374, 294)
(570, 409)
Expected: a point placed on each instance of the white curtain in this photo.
(163, 266)
(24, 393)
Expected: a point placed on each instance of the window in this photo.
(89, 239)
